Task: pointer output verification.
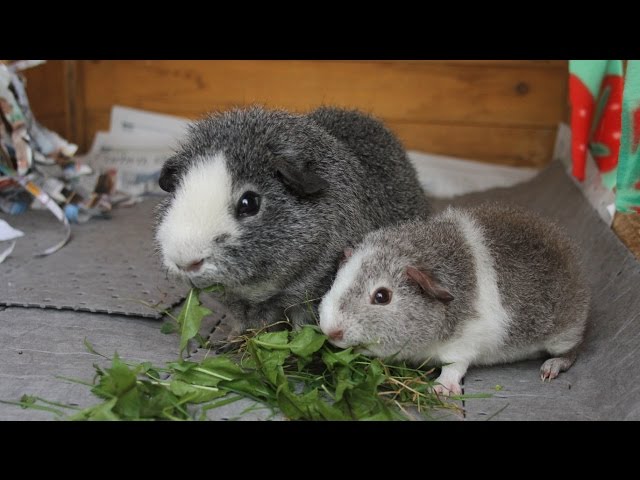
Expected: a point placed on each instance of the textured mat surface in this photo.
(36, 345)
(108, 266)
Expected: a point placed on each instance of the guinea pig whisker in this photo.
(393, 357)
(252, 332)
(368, 344)
(304, 302)
(419, 367)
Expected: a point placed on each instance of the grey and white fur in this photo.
(475, 286)
(322, 181)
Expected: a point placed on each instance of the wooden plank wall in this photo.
(496, 111)
(46, 88)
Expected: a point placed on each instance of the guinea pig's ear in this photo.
(301, 182)
(429, 285)
(346, 255)
(169, 174)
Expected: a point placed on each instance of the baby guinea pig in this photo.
(263, 202)
(466, 287)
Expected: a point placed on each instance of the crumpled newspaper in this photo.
(38, 164)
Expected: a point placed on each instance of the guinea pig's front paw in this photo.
(447, 389)
(448, 383)
(552, 367)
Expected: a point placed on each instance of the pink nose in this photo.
(193, 266)
(336, 334)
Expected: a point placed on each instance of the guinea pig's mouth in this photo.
(201, 283)
(362, 348)
(208, 279)
(370, 349)
(207, 275)
(367, 349)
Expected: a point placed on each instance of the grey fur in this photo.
(540, 283)
(539, 275)
(363, 180)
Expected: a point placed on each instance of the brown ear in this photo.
(301, 182)
(429, 285)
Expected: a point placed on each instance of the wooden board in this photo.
(528, 147)
(399, 91)
(524, 147)
(627, 227)
(501, 111)
(47, 96)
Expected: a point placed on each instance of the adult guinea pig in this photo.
(466, 287)
(264, 201)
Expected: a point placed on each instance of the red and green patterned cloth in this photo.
(605, 120)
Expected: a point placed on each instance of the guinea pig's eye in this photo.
(382, 296)
(248, 205)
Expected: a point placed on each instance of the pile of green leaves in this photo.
(295, 373)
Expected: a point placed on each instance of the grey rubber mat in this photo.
(108, 266)
(604, 383)
(37, 347)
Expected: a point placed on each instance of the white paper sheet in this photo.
(110, 141)
(137, 146)
(138, 171)
(7, 251)
(446, 177)
(7, 232)
(130, 120)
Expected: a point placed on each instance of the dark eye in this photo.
(248, 205)
(382, 296)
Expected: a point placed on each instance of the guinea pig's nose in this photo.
(336, 334)
(193, 266)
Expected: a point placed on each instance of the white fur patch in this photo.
(199, 213)
(330, 316)
(482, 338)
